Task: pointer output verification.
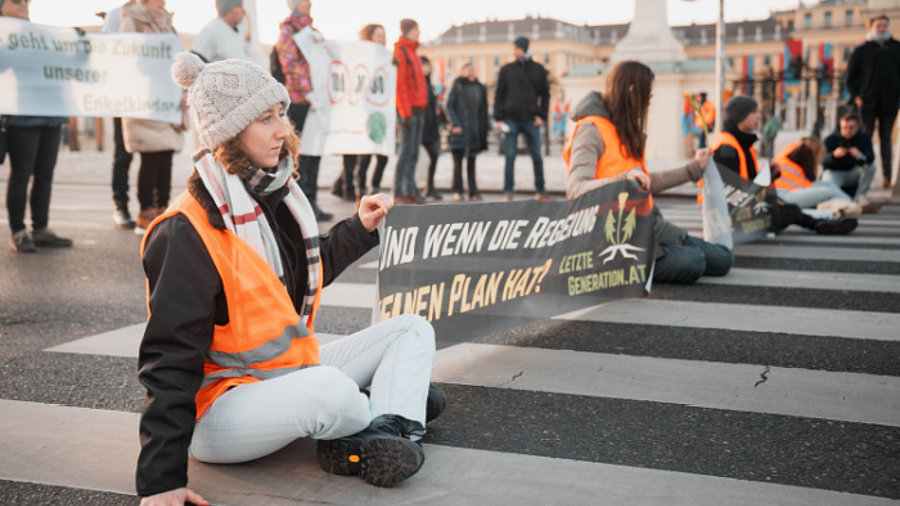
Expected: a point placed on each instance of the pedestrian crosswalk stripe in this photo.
(850, 397)
(792, 320)
(816, 253)
(807, 279)
(96, 449)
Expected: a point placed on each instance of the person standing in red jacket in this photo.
(412, 98)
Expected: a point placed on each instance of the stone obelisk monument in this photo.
(649, 37)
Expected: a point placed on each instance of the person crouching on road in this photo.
(235, 269)
(608, 144)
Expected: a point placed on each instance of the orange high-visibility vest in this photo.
(264, 337)
(726, 139)
(792, 175)
(613, 161)
(708, 113)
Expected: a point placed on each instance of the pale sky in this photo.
(342, 19)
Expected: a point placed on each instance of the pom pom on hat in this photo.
(186, 68)
(224, 97)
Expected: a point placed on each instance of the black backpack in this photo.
(275, 65)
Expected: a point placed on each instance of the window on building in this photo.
(847, 52)
(496, 61)
(807, 20)
(547, 59)
(731, 61)
(767, 60)
(827, 21)
(449, 63)
(848, 18)
(790, 25)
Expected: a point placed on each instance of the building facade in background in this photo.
(792, 61)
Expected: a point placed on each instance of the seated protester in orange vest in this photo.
(608, 144)
(235, 269)
(733, 148)
(796, 184)
(850, 159)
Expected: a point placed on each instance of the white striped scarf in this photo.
(243, 216)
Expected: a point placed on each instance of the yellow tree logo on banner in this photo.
(618, 233)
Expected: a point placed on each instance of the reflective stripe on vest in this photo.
(613, 161)
(264, 337)
(726, 139)
(792, 175)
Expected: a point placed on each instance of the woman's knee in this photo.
(419, 329)
(719, 260)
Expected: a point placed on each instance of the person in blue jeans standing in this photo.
(521, 103)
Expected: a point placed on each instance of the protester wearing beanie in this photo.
(412, 98)
(234, 272)
(740, 122)
(521, 106)
(220, 38)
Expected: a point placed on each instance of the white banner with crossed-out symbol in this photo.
(354, 87)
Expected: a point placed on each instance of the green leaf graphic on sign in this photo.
(376, 127)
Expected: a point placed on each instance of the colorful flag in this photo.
(826, 68)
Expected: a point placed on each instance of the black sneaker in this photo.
(320, 214)
(382, 454)
(435, 404)
(838, 226)
(21, 242)
(45, 238)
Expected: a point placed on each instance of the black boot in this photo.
(435, 404)
(383, 454)
(837, 226)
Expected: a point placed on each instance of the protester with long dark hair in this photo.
(235, 271)
(33, 145)
(608, 144)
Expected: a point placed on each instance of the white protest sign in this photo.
(54, 71)
(716, 219)
(354, 88)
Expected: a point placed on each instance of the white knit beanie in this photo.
(225, 96)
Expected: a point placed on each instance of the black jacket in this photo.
(860, 141)
(523, 92)
(873, 73)
(433, 121)
(467, 107)
(726, 156)
(178, 335)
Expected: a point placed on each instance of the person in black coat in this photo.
(521, 104)
(873, 78)
(467, 107)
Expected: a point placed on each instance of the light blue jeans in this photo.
(393, 358)
(861, 175)
(820, 191)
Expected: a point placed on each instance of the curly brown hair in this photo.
(230, 154)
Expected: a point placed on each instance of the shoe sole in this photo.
(383, 462)
(843, 228)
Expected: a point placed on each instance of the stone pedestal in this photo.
(649, 38)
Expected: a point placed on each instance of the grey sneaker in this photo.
(45, 238)
(21, 242)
